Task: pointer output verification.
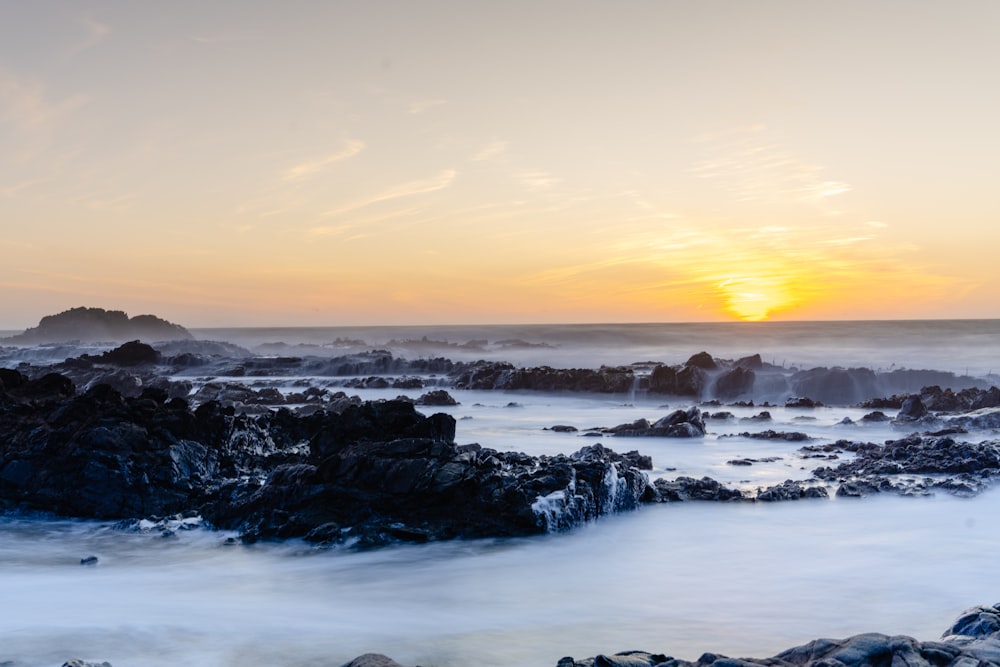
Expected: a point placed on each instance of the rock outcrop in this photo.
(371, 473)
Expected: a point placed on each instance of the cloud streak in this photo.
(754, 169)
(439, 182)
(311, 167)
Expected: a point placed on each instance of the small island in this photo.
(92, 325)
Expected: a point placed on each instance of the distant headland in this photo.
(88, 325)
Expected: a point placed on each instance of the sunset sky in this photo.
(326, 163)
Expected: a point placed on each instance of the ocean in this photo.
(748, 579)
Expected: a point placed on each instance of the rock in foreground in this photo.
(372, 473)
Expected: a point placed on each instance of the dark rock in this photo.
(958, 467)
(702, 360)
(437, 397)
(912, 409)
(688, 488)
(734, 383)
(686, 381)
(504, 376)
(678, 424)
(789, 436)
(836, 386)
(791, 490)
(372, 660)
(562, 428)
(877, 416)
(133, 353)
(753, 362)
(89, 560)
(11, 379)
(802, 402)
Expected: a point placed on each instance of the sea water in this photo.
(733, 578)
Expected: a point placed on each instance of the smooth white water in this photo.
(736, 579)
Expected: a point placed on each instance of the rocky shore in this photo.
(973, 640)
(370, 473)
(133, 444)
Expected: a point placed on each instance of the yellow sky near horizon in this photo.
(314, 163)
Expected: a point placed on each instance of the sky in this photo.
(426, 162)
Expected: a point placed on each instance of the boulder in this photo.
(734, 383)
(678, 424)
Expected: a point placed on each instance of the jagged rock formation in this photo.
(502, 375)
(99, 325)
(371, 473)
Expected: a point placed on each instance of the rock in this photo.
(802, 402)
(975, 623)
(912, 409)
(958, 467)
(562, 428)
(702, 360)
(769, 434)
(686, 381)
(678, 424)
(753, 362)
(836, 386)
(504, 376)
(734, 383)
(687, 488)
(372, 660)
(791, 490)
(437, 397)
(89, 560)
(133, 353)
(82, 663)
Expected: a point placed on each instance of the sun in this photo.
(753, 298)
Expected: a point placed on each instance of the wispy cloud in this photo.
(537, 180)
(331, 230)
(308, 168)
(439, 182)
(12, 190)
(490, 151)
(420, 106)
(27, 105)
(754, 168)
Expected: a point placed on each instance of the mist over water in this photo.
(739, 579)
(959, 346)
